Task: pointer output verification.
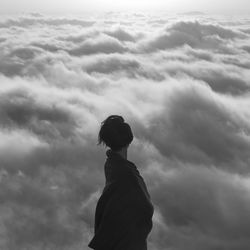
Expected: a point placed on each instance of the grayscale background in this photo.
(177, 71)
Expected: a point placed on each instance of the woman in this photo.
(123, 216)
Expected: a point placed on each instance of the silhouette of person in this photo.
(123, 215)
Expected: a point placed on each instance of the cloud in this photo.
(121, 35)
(181, 81)
(196, 125)
(246, 48)
(106, 45)
(194, 13)
(116, 64)
(27, 21)
(207, 205)
(194, 34)
(221, 78)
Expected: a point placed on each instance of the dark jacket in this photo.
(123, 216)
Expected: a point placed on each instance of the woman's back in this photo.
(124, 211)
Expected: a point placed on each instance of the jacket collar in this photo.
(115, 156)
(110, 154)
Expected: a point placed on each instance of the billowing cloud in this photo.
(181, 81)
(106, 45)
(194, 34)
(27, 21)
(121, 34)
(201, 205)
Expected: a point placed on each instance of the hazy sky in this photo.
(216, 6)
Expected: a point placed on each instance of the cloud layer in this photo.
(181, 81)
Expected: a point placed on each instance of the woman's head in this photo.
(115, 133)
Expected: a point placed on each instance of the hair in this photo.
(115, 133)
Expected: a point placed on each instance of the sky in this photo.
(182, 83)
(212, 6)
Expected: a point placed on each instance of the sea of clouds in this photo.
(181, 81)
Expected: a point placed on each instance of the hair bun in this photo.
(115, 133)
(115, 119)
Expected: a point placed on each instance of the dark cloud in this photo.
(246, 31)
(24, 53)
(49, 215)
(122, 65)
(195, 127)
(158, 21)
(2, 39)
(207, 205)
(121, 35)
(194, 34)
(239, 61)
(220, 79)
(47, 47)
(246, 48)
(199, 30)
(19, 108)
(37, 20)
(81, 37)
(106, 45)
(11, 68)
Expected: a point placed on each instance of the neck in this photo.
(123, 153)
